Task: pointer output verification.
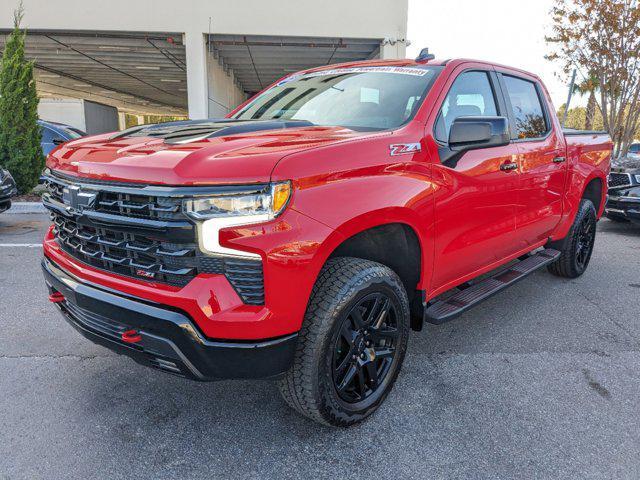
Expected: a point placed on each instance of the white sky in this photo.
(510, 32)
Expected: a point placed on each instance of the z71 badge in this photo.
(403, 148)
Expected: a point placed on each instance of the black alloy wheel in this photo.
(576, 248)
(365, 348)
(586, 238)
(351, 345)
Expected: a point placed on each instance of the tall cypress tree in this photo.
(20, 150)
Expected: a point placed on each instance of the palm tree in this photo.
(589, 86)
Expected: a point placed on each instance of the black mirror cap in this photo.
(470, 133)
(58, 141)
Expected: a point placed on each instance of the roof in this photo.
(413, 63)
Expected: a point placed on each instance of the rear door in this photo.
(542, 161)
(475, 208)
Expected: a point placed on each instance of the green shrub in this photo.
(20, 150)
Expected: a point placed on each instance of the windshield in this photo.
(360, 98)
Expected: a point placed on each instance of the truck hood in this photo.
(206, 153)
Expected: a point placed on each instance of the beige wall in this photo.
(381, 19)
(351, 18)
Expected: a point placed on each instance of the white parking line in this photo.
(23, 245)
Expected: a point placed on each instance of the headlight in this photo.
(269, 201)
(228, 210)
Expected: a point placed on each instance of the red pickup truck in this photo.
(302, 237)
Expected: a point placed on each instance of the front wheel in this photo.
(351, 345)
(576, 248)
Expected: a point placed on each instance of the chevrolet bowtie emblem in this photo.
(76, 199)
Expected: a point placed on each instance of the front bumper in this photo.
(624, 207)
(169, 339)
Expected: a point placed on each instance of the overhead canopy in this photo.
(136, 72)
(258, 61)
(147, 72)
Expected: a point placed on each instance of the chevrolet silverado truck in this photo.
(303, 236)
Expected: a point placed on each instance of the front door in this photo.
(475, 203)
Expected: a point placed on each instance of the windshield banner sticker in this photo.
(416, 72)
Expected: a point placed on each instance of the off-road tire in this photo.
(567, 266)
(308, 386)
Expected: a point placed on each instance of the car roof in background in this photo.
(61, 127)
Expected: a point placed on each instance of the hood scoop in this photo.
(195, 130)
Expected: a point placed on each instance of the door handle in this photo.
(559, 160)
(507, 167)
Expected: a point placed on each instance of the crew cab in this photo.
(303, 236)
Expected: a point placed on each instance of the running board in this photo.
(442, 311)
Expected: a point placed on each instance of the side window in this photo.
(47, 135)
(470, 95)
(527, 109)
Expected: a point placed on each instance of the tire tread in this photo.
(337, 279)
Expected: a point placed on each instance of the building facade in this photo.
(198, 58)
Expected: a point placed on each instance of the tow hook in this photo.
(131, 336)
(56, 297)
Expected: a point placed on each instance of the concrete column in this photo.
(196, 52)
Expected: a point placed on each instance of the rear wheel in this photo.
(352, 343)
(577, 247)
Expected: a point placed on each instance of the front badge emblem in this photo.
(76, 199)
(145, 274)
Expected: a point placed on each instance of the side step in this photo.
(442, 311)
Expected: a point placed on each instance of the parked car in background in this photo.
(302, 237)
(634, 152)
(623, 203)
(7, 189)
(54, 134)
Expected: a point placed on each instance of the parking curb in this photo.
(26, 207)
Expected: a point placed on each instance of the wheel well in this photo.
(593, 192)
(395, 245)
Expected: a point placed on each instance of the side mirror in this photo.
(58, 141)
(473, 133)
(470, 133)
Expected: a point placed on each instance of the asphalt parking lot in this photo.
(541, 381)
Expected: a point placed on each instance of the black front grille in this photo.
(126, 253)
(125, 203)
(619, 180)
(145, 237)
